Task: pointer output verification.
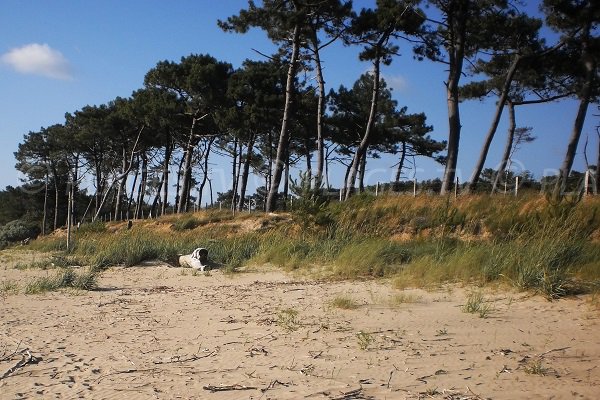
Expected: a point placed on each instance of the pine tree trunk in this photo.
(133, 185)
(320, 113)
(457, 24)
(205, 177)
(139, 212)
(184, 190)
(361, 150)
(234, 174)
(361, 173)
(246, 171)
(400, 167)
(166, 162)
(284, 134)
(496, 120)
(45, 215)
(589, 64)
(121, 187)
(512, 126)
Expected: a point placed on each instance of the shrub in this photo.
(18, 230)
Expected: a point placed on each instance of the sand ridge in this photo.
(165, 333)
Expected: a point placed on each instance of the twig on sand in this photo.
(126, 371)
(553, 350)
(26, 358)
(353, 394)
(11, 355)
(225, 388)
(193, 357)
(272, 385)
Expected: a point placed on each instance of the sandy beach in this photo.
(166, 333)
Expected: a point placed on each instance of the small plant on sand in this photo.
(365, 339)
(288, 319)
(344, 302)
(476, 304)
(9, 287)
(84, 280)
(404, 298)
(535, 367)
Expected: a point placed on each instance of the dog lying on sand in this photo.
(197, 260)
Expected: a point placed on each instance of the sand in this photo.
(156, 332)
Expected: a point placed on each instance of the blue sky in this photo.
(59, 56)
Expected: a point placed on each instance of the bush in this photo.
(17, 230)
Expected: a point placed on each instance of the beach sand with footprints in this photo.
(167, 333)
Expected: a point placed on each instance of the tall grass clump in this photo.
(371, 257)
(85, 279)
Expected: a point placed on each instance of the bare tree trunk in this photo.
(400, 167)
(361, 173)
(205, 177)
(154, 207)
(178, 186)
(361, 150)
(246, 172)
(284, 134)
(512, 126)
(142, 187)
(308, 158)
(184, 190)
(457, 24)
(166, 163)
(121, 186)
(45, 215)
(286, 182)
(589, 64)
(234, 173)
(495, 121)
(56, 197)
(133, 185)
(320, 112)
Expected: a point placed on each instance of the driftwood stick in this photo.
(194, 357)
(225, 388)
(553, 350)
(26, 358)
(11, 355)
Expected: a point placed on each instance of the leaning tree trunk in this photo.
(400, 167)
(456, 56)
(284, 134)
(320, 113)
(495, 121)
(205, 177)
(512, 126)
(246, 172)
(139, 212)
(361, 150)
(45, 215)
(361, 173)
(121, 188)
(184, 190)
(56, 197)
(589, 63)
(234, 173)
(166, 163)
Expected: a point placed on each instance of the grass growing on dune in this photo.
(529, 242)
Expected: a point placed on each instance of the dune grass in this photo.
(528, 242)
(85, 279)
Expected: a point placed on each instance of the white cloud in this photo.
(38, 59)
(396, 82)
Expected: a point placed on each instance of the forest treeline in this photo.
(152, 152)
